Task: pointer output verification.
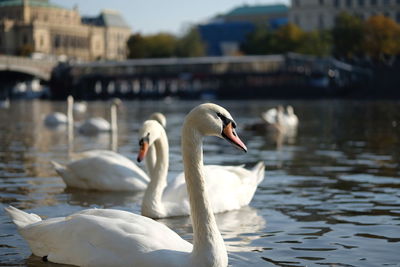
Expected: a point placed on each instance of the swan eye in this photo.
(225, 120)
(145, 139)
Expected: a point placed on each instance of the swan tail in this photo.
(21, 218)
(259, 170)
(60, 169)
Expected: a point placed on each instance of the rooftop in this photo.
(258, 10)
(39, 3)
(107, 18)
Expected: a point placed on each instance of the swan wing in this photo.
(105, 170)
(229, 188)
(105, 237)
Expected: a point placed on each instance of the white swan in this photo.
(80, 107)
(98, 125)
(4, 103)
(102, 170)
(58, 118)
(229, 187)
(151, 158)
(290, 120)
(160, 118)
(106, 237)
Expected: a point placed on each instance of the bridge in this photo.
(240, 77)
(38, 68)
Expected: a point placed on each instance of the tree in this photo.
(137, 46)
(190, 44)
(317, 43)
(288, 38)
(258, 42)
(382, 38)
(347, 36)
(152, 46)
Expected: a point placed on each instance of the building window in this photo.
(321, 2)
(296, 2)
(24, 39)
(349, 3)
(336, 3)
(57, 41)
(373, 2)
(41, 41)
(361, 2)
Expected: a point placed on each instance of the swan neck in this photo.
(114, 128)
(152, 205)
(207, 241)
(70, 126)
(114, 118)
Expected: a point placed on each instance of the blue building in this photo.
(224, 34)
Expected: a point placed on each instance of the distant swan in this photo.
(97, 125)
(80, 107)
(230, 187)
(107, 237)
(58, 118)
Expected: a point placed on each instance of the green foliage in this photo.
(347, 36)
(190, 45)
(317, 43)
(289, 38)
(152, 46)
(163, 45)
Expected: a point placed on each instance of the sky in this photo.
(154, 16)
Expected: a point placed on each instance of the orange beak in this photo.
(144, 147)
(229, 134)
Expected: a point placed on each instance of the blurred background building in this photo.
(321, 14)
(40, 28)
(224, 34)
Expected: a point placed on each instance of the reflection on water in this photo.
(330, 196)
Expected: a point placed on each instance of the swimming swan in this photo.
(58, 118)
(229, 187)
(102, 170)
(107, 237)
(98, 125)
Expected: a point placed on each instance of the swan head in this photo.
(157, 116)
(213, 120)
(148, 134)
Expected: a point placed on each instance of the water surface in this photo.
(331, 195)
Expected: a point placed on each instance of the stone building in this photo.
(321, 14)
(39, 26)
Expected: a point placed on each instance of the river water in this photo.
(330, 197)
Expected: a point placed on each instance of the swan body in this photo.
(160, 118)
(4, 103)
(98, 125)
(102, 170)
(230, 187)
(80, 107)
(106, 237)
(94, 126)
(58, 118)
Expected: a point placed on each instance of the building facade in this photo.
(321, 14)
(38, 26)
